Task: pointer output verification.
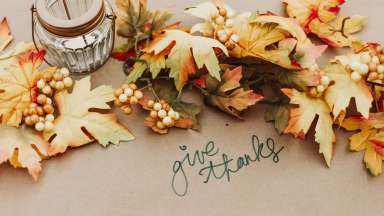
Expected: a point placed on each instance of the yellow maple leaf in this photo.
(17, 77)
(302, 117)
(370, 138)
(77, 125)
(184, 53)
(5, 34)
(304, 11)
(22, 147)
(338, 33)
(275, 39)
(339, 95)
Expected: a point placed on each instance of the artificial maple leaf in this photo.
(338, 33)
(183, 54)
(370, 138)
(17, 77)
(275, 39)
(136, 23)
(22, 147)
(230, 97)
(305, 11)
(339, 95)
(5, 34)
(302, 117)
(77, 125)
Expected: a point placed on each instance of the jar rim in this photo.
(53, 21)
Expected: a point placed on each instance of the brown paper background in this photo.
(135, 178)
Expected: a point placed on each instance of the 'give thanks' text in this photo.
(227, 165)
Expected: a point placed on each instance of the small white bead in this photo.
(365, 58)
(160, 125)
(363, 69)
(355, 76)
(320, 88)
(229, 23)
(123, 98)
(162, 113)
(49, 118)
(40, 126)
(68, 82)
(220, 20)
(60, 85)
(48, 126)
(375, 60)
(49, 101)
(157, 106)
(64, 72)
(167, 121)
(325, 80)
(128, 92)
(172, 113)
(380, 68)
(235, 38)
(177, 116)
(40, 84)
(221, 33)
(354, 65)
(138, 94)
(47, 90)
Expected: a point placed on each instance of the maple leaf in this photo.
(230, 97)
(370, 138)
(5, 34)
(275, 39)
(320, 18)
(17, 77)
(302, 117)
(305, 11)
(338, 33)
(22, 147)
(136, 23)
(182, 54)
(339, 95)
(78, 125)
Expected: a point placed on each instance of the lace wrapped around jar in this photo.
(77, 34)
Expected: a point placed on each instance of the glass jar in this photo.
(77, 34)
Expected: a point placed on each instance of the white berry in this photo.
(128, 92)
(59, 85)
(325, 81)
(47, 90)
(123, 98)
(150, 103)
(162, 113)
(354, 65)
(380, 68)
(177, 116)
(40, 84)
(64, 71)
(40, 126)
(320, 88)
(68, 82)
(365, 58)
(220, 20)
(157, 106)
(138, 94)
(48, 126)
(172, 113)
(160, 125)
(49, 101)
(363, 69)
(355, 76)
(50, 117)
(229, 23)
(167, 121)
(375, 60)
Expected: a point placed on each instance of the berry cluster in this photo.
(40, 112)
(222, 25)
(325, 81)
(369, 65)
(163, 114)
(127, 95)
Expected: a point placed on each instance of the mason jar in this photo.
(77, 34)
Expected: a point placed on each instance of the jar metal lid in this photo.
(72, 27)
